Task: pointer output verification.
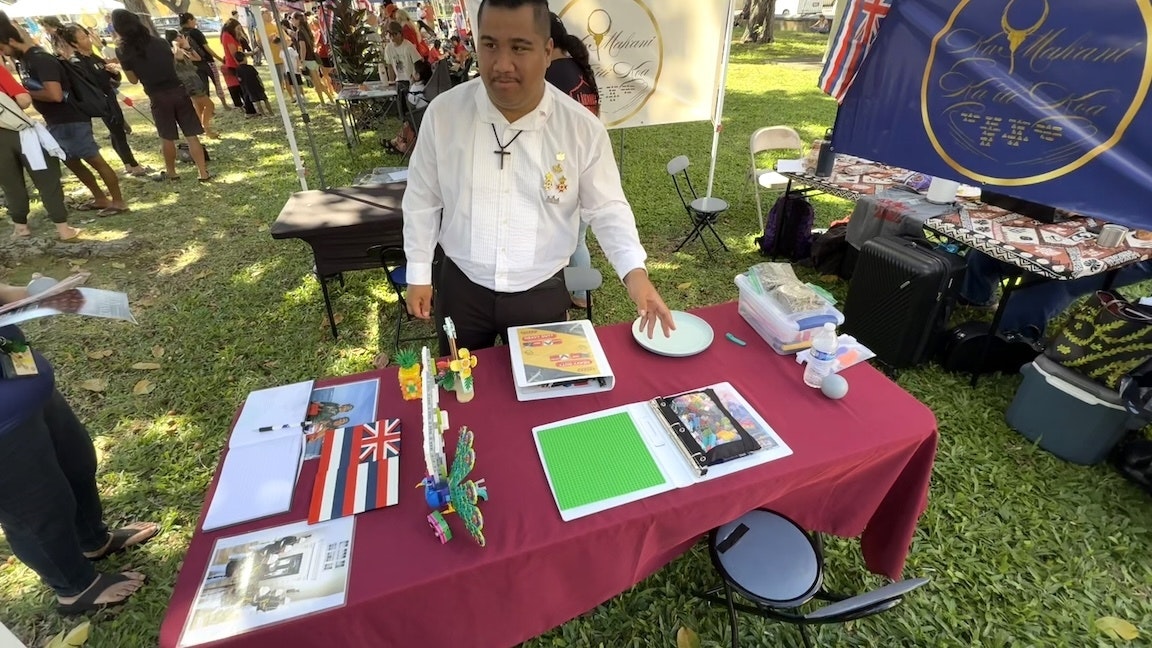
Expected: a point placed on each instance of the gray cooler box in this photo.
(1066, 413)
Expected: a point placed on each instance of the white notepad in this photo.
(256, 481)
(282, 408)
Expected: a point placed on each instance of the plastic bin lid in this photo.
(1075, 384)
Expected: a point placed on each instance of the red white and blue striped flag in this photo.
(857, 30)
(359, 471)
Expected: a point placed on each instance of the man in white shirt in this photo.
(504, 170)
(400, 54)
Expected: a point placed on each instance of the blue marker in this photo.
(736, 339)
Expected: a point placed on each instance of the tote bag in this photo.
(1105, 339)
(11, 116)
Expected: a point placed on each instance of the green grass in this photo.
(1022, 548)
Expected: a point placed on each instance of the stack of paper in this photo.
(258, 476)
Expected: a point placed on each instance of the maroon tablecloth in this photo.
(860, 466)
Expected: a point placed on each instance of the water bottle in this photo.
(826, 159)
(822, 355)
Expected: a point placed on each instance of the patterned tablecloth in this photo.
(1065, 250)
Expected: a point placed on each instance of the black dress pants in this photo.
(481, 315)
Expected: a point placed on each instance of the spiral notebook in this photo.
(617, 456)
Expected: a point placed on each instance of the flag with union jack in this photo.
(359, 471)
(853, 38)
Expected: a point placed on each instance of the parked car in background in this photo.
(793, 8)
(207, 25)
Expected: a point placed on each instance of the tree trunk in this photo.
(759, 28)
(137, 7)
(746, 11)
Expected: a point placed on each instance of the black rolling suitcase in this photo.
(900, 298)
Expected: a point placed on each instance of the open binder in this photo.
(559, 359)
(613, 457)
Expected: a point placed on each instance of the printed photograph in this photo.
(331, 408)
(270, 576)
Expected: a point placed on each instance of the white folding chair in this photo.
(772, 138)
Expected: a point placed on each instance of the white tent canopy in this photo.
(36, 8)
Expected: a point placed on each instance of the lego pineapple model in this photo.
(409, 377)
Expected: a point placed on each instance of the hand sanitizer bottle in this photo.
(822, 356)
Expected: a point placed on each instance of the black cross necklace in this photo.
(503, 152)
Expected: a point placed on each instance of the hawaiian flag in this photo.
(359, 471)
(854, 37)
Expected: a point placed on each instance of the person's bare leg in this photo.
(196, 150)
(168, 149)
(66, 232)
(99, 198)
(110, 180)
(208, 115)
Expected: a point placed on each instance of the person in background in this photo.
(416, 101)
(208, 57)
(52, 26)
(185, 60)
(252, 86)
(435, 53)
(105, 76)
(276, 54)
(15, 162)
(410, 31)
(48, 85)
(1029, 310)
(50, 508)
(401, 55)
(428, 17)
(306, 48)
(148, 60)
(505, 242)
(230, 40)
(571, 71)
(324, 55)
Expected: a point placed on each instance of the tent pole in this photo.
(718, 114)
(304, 116)
(266, 43)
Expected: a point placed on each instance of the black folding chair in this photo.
(395, 266)
(703, 212)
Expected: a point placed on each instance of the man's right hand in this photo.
(419, 299)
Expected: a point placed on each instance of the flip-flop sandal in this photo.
(89, 206)
(111, 211)
(208, 179)
(121, 539)
(86, 602)
(75, 236)
(172, 178)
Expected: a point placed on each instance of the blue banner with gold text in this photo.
(1040, 99)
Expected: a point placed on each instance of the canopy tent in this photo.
(36, 8)
(1041, 101)
(660, 62)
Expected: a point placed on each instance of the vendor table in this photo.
(376, 98)
(340, 224)
(860, 466)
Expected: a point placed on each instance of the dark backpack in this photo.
(83, 93)
(788, 233)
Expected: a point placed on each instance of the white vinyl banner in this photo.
(656, 61)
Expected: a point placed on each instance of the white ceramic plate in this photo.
(692, 335)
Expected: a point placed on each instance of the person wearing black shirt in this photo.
(206, 66)
(105, 77)
(251, 85)
(49, 87)
(148, 60)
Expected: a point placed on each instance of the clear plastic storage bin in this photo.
(784, 332)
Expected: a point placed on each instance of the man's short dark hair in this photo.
(541, 14)
(8, 30)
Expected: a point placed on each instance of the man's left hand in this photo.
(649, 305)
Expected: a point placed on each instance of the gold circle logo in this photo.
(626, 50)
(1020, 92)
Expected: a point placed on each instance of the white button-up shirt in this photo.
(510, 229)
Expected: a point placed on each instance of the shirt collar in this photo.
(534, 120)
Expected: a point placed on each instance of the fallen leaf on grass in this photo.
(73, 638)
(78, 261)
(145, 302)
(262, 228)
(100, 355)
(269, 364)
(117, 265)
(146, 366)
(687, 638)
(94, 384)
(143, 387)
(157, 351)
(338, 318)
(201, 275)
(684, 286)
(1117, 628)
